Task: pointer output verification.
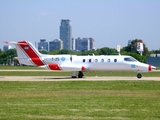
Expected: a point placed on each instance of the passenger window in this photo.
(84, 60)
(115, 60)
(108, 60)
(96, 60)
(102, 60)
(90, 60)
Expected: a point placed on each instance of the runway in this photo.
(66, 78)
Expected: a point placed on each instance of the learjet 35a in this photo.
(29, 55)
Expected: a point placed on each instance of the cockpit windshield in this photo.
(130, 59)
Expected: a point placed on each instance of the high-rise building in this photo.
(129, 42)
(56, 44)
(66, 34)
(73, 44)
(6, 47)
(92, 43)
(82, 44)
(43, 45)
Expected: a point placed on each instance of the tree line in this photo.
(7, 57)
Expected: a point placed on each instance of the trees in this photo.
(131, 50)
(133, 47)
(107, 51)
(6, 57)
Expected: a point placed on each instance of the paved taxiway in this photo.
(63, 78)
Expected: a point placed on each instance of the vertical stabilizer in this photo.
(28, 54)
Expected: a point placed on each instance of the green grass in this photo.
(52, 73)
(20, 68)
(111, 100)
(22, 72)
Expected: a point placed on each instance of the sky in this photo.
(108, 22)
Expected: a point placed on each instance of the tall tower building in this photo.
(66, 34)
(43, 45)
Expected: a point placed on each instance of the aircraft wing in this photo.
(66, 67)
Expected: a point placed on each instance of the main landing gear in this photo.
(80, 74)
(139, 75)
(74, 74)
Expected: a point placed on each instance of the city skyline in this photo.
(66, 41)
(109, 22)
(78, 44)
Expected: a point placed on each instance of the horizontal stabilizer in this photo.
(6, 42)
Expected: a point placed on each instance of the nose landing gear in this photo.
(139, 75)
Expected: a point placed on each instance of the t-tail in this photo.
(28, 54)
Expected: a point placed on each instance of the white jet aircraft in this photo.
(29, 55)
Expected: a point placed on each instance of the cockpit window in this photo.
(130, 59)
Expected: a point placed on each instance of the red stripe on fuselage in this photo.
(54, 67)
(31, 53)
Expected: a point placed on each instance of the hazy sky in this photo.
(109, 22)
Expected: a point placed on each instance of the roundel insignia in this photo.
(63, 59)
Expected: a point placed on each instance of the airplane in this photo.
(29, 55)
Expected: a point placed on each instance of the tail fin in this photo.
(28, 54)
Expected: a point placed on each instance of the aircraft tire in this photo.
(139, 75)
(74, 76)
(80, 74)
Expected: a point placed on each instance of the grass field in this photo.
(51, 73)
(85, 100)
(22, 72)
(79, 100)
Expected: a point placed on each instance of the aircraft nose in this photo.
(150, 68)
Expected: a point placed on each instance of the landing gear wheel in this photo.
(74, 74)
(80, 74)
(139, 75)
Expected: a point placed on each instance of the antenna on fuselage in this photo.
(119, 49)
